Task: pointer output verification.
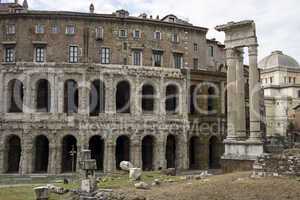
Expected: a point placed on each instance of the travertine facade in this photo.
(116, 84)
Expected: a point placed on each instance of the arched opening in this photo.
(43, 97)
(148, 153)
(171, 151)
(69, 153)
(193, 100)
(123, 97)
(215, 151)
(96, 145)
(13, 154)
(194, 153)
(70, 97)
(210, 100)
(171, 99)
(41, 154)
(97, 98)
(15, 96)
(148, 98)
(122, 150)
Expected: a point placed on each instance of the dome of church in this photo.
(278, 59)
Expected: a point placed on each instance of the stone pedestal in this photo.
(41, 193)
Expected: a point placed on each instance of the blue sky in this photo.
(278, 21)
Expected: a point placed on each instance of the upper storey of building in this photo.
(117, 38)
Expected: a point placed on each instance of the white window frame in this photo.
(43, 57)
(12, 55)
(123, 36)
(155, 35)
(136, 36)
(161, 58)
(196, 47)
(39, 29)
(140, 59)
(175, 39)
(105, 55)
(11, 29)
(181, 60)
(99, 32)
(55, 28)
(73, 55)
(70, 27)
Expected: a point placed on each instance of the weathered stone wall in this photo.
(285, 164)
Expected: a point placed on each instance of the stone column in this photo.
(27, 103)
(254, 93)
(222, 101)
(231, 94)
(26, 161)
(160, 158)
(84, 96)
(2, 105)
(109, 157)
(60, 94)
(135, 153)
(110, 105)
(162, 97)
(240, 97)
(54, 93)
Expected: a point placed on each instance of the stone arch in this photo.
(71, 97)
(172, 98)
(96, 145)
(41, 154)
(194, 153)
(69, 145)
(97, 97)
(14, 149)
(43, 96)
(148, 98)
(123, 97)
(171, 149)
(15, 96)
(122, 150)
(215, 152)
(148, 145)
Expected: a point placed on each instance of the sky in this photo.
(277, 21)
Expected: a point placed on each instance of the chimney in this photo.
(92, 8)
(157, 17)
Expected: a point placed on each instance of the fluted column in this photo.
(240, 97)
(254, 93)
(231, 93)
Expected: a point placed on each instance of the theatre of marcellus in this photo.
(149, 90)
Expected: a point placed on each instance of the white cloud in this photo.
(277, 21)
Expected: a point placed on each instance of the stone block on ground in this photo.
(142, 185)
(126, 165)
(169, 172)
(41, 193)
(135, 174)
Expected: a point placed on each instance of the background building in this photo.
(116, 84)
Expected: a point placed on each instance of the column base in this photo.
(240, 155)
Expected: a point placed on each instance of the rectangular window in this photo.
(294, 79)
(39, 29)
(290, 79)
(137, 57)
(178, 60)
(11, 29)
(211, 51)
(136, 34)
(157, 35)
(195, 47)
(195, 62)
(70, 30)
(125, 46)
(157, 58)
(271, 79)
(40, 54)
(55, 29)
(124, 61)
(9, 54)
(105, 55)
(99, 33)
(175, 38)
(122, 33)
(73, 54)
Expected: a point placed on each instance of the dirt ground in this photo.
(238, 186)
